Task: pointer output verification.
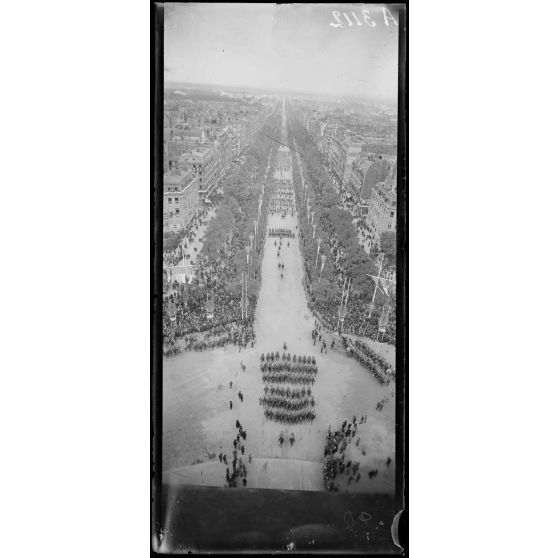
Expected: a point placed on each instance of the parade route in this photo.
(198, 423)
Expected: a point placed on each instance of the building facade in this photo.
(201, 162)
(181, 200)
(382, 211)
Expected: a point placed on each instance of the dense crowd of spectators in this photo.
(192, 314)
(220, 336)
(172, 252)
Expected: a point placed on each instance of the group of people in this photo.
(286, 357)
(282, 377)
(308, 365)
(239, 470)
(317, 337)
(216, 279)
(191, 315)
(237, 335)
(288, 392)
(176, 340)
(335, 461)
(172, 251)
(287, 233)
(216, 284)
(373, 362)
(288, 404)
(283, 437)
(357, 319)
(290, 417)
(277, 402)
(380, 404)
(281, 207)
(280, 264)
(299, 370)
(281, 398)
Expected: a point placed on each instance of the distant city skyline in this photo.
(287, 48)
(317, 96)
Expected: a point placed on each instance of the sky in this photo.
(283, 47)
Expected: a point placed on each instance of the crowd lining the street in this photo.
(341, 240)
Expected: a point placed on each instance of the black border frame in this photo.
(156, 263)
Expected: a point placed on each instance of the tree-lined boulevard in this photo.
(207, 393)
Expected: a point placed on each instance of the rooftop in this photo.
(171, 178)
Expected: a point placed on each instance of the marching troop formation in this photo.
(281, 207)
(281, 232)
(281, 369)
(282, 201)
(287, 404)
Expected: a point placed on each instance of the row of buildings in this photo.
(201, 141)
(363, 163)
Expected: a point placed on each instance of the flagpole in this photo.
(347, 297)
(242, 296)
(246, 298)
(341, 304)
(376, 288)
(346, 301)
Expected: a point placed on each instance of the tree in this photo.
(171, 241)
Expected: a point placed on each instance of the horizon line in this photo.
(281, 91)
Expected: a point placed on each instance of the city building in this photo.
(201, 162)
(382, 212)
(351, 150)
(372, 184)
(181, 200)
(205, 137)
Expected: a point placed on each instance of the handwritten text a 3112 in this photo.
(352, 18)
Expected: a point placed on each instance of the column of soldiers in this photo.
(239, 470)
(282, 369)
(288, 404)
(281, 232)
